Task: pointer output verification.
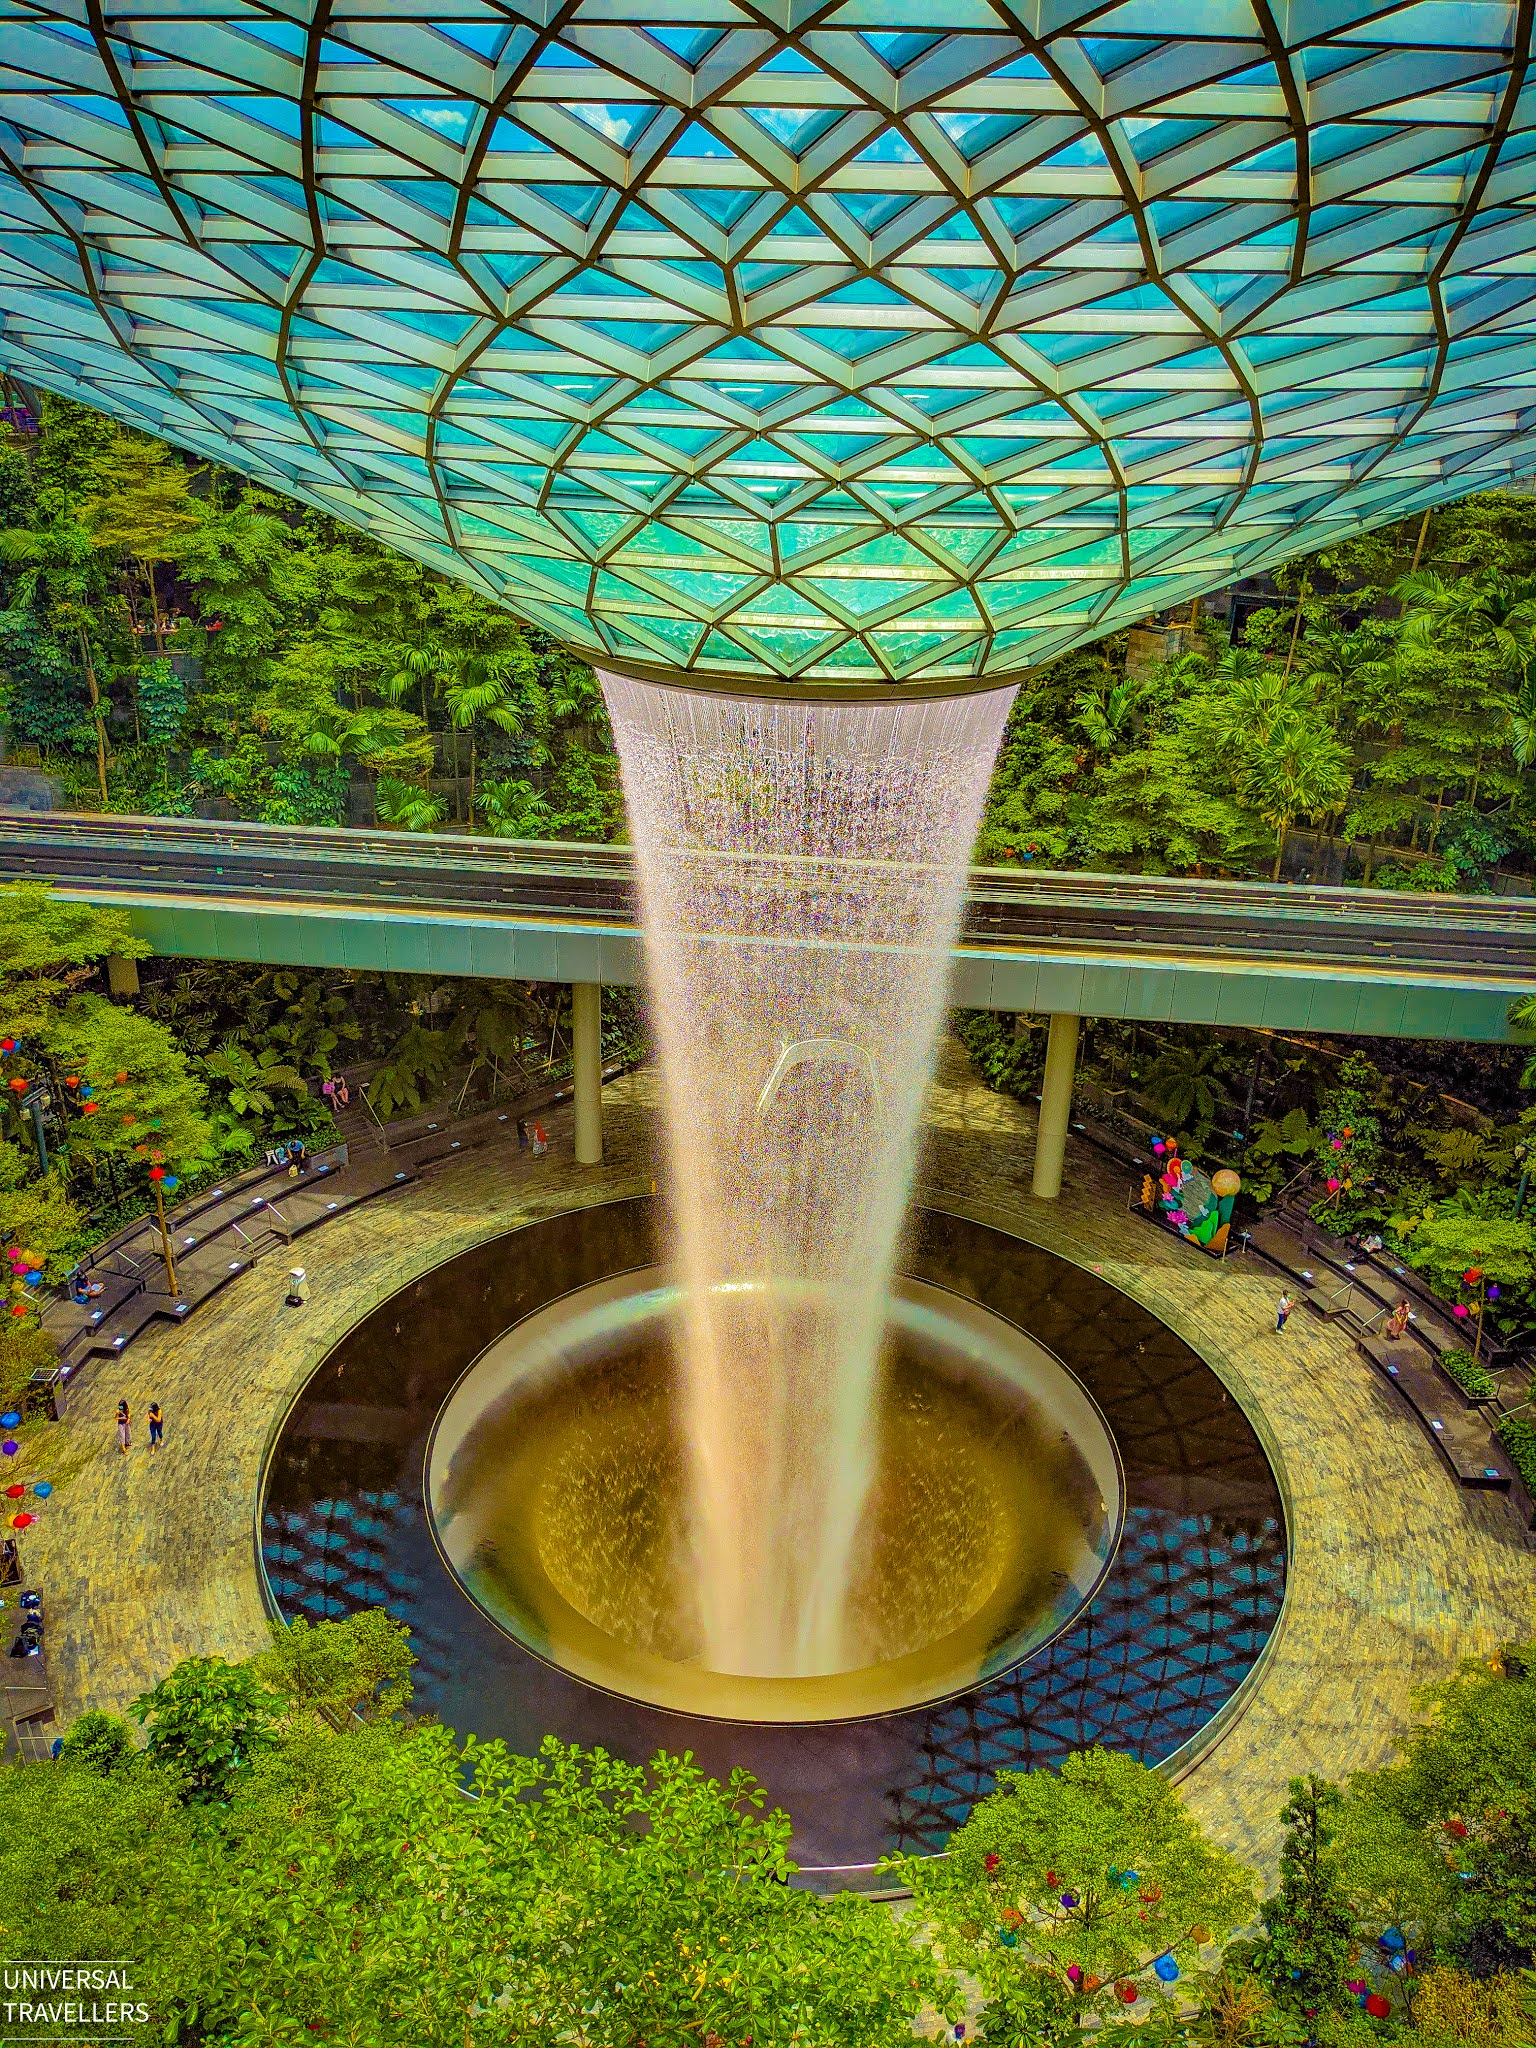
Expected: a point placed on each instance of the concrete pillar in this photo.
(1055, 1104)
(122, 975)
(587, 1078)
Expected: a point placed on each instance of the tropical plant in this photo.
(1308, 1926)
(1072, 1894)
(207, 1721)
(481, 686)
(407, 806)
(355, 1672)
(248, 1078)
(1522, 1014)
(270, 1877)
(413, 1072)
(1183, 1089)
(514, 809)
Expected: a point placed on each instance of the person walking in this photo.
(1397, 1322)
(1283, 1309)
(540, 1141)
(156, 1426)
(522, 1135)
(124, 1422)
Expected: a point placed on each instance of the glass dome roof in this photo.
(760, 338)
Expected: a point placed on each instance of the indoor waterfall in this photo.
(802, 871)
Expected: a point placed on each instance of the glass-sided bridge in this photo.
(1288, 957)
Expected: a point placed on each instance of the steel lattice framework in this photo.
(768, 336)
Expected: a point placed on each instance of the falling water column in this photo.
(802, 870)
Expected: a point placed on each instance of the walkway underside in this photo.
(1155, 947)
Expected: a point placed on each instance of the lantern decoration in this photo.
(989, 1862)
(33, 1279)
(1074, 1973)
(1226, 1182)
(18, 1308)
(1461, 1310)
(22, 1521)
(172, 1183)
(1091, 1983)
(1200, 1936)
(14, 1492)
(1378, 2007)
(1126, 1992)
(1493, 1291)
(7, 1045)
(19, 1085)
(1007, 1937)
(71, 1080)
(1166, 1969)
(1334, 1186)
(157, 1173)
(1069, 1900)
(120, 1078)
(1158, 1145)
(43, 1488)
(1012, 1917)
(88, 1109)
(10, 1447)
(9, 1420)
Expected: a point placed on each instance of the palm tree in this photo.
(1338, 664)
(1522, 1014)
(1297, 768)
(513, 808)
(480, 687)
(1104, 714)
(407, 805)
(1522, 720)
(1499, 609)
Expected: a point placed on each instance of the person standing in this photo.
(1283, 1309)
(522, 1135)
(156, 1426)
(540, 1141)
(124, 1424)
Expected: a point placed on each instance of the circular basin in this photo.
(558, 1487)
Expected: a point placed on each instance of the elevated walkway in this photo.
(1154, 947)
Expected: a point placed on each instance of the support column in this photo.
(1055, 1104)
(122, 975)
(587, 1078)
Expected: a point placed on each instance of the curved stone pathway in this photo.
(1395, 1573)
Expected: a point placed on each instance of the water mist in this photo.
(802, 871)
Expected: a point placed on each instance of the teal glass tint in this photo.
(866, 351)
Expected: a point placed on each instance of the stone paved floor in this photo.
(1395, 1574)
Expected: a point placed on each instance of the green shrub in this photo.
(1470, 1375)
(1519, 1438)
